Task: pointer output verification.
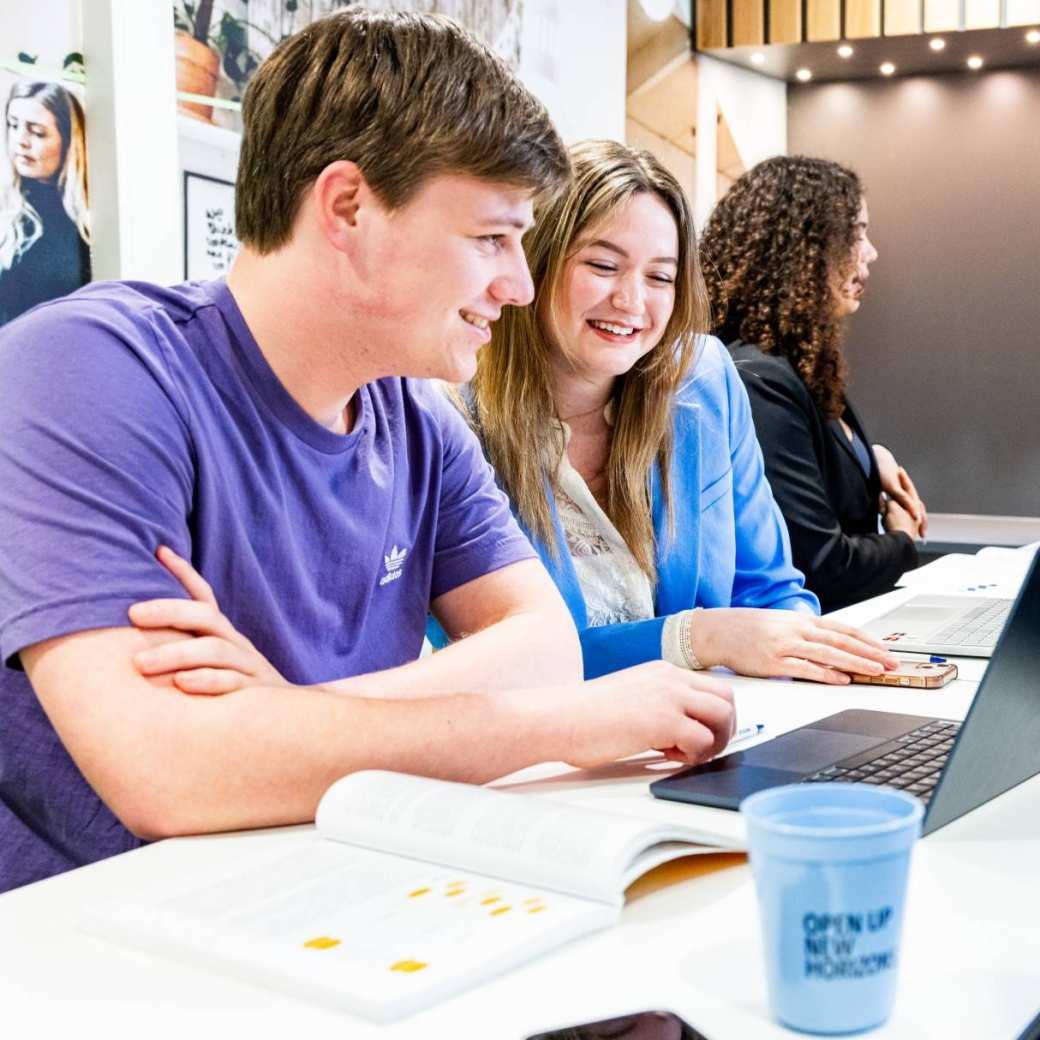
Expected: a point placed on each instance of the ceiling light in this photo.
(844, 51)
(803, 75)
(886, 68)
(758, 58)
(974, 62)
(937, 43)
(1033, 36)
(657, 10)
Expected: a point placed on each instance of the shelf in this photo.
(208, 134)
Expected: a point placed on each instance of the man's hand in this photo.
(898, 487)
(687, 716)
(785, 643)
(214, 657)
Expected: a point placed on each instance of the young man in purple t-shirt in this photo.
(271, 430)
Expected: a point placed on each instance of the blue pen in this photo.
(930, 658)
(746, 732)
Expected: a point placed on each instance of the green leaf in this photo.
(72, 58)
(233, 43)
(27, 59)
(291, 6)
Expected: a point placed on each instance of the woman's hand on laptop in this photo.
(785, 643)
(214, 657)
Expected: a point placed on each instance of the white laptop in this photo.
(961, 626)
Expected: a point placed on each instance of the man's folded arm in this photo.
(168, 763)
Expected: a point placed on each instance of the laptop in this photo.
(952, 767)
(1031, 1031)
(961, 626)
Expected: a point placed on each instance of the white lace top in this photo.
(614, 585)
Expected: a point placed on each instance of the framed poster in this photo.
(44, 213)
(209, 226)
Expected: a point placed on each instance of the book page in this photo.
(369, 932)
(534, 841)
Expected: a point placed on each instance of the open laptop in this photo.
(961, 626)
(952, 767)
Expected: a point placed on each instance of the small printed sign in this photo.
(210, 244)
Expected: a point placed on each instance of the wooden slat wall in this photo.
(981, 14)
(902, 17)
(863, 19)
(785, 21)
(824, 20)
(749, 23)
(711, 24)
(1023, 12)
(942, 15)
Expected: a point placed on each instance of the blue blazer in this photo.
(729, 547)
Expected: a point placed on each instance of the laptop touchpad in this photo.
(928, 615)
(806, 750)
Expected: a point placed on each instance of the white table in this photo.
(971, 954)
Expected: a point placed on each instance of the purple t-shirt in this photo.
(133, 416)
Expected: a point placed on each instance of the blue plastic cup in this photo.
(831, 863)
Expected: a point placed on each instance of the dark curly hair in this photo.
(771, 252)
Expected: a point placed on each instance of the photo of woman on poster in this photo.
(44, 219)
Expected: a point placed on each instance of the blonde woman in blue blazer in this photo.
(625, 442)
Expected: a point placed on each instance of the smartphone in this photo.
(645, 1025)
(922, 675)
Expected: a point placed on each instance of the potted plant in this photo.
(197, 62)
(203, 51)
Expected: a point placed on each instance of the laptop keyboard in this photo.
(979, 627)
(912, 762)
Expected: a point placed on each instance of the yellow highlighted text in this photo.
(408, 966)
(323, 942)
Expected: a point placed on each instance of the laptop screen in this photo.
(999, 743)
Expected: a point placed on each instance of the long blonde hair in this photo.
(20, 224)
(512, 390)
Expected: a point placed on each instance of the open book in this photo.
(410, 891)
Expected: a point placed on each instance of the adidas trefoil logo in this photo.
(393, 563)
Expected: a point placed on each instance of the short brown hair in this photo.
(406, 96)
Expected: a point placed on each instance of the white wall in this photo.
(573, 58)
(755, 107)
(47, 29)
(131, 140)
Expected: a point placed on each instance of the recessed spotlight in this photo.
(803, 75)
(844, 51)
(937, 43)
(758, 58)
(974, 62)
(886, 68)
(1033, 36)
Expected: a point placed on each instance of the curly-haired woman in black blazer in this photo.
(786, 256)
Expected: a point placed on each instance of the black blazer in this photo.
(829, 503)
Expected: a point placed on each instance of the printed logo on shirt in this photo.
(393, 563)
